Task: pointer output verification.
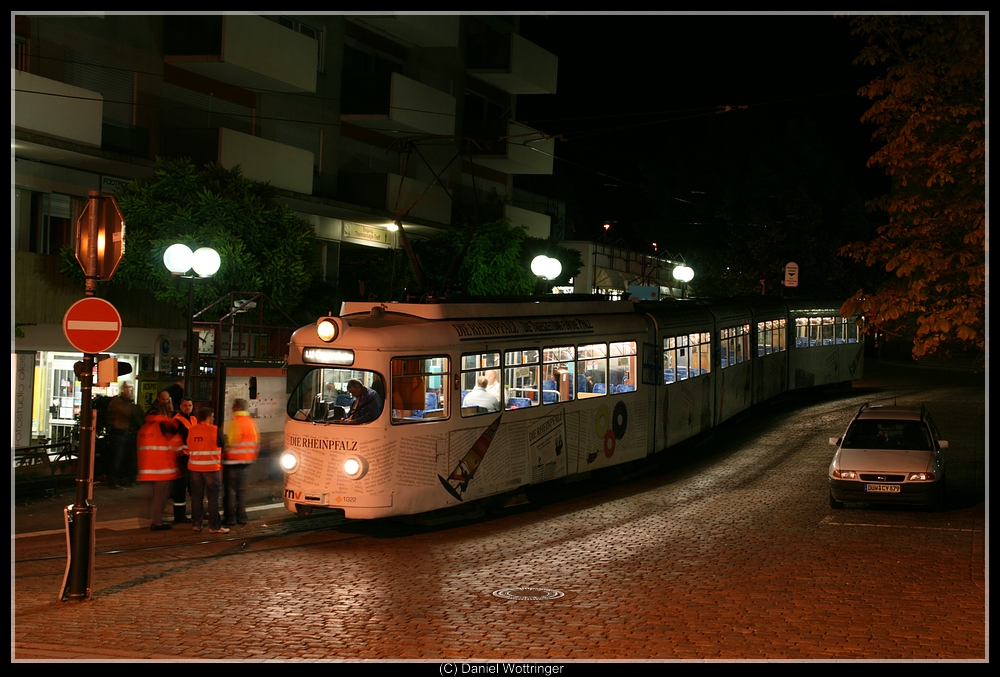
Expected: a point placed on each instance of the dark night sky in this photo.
(635, 90)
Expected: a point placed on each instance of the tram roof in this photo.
(453, 311)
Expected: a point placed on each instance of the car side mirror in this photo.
(942, 444)
(834, 441)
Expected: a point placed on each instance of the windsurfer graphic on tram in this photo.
(458, 481)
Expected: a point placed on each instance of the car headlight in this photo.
(921, 477)
(355, 467)
(289, 462)
(844, 474)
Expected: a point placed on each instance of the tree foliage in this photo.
(929, 112)
(263, 246)
(496, 263)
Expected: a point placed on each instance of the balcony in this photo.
(511, 63)
(412, 108)
(280, 165)
(55, 109)
(510, 147)
(379, 192)
(422, 30)
(536, 225)
(242, 50)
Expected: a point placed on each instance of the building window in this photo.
(116, 85)
(367, 79)
(301, 135)
(191, 109)
(44, 221)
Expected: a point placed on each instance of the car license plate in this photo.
(882, 488)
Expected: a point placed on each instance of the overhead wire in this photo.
(565, 137)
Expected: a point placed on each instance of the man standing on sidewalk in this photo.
(204, 449)
(184, 421)
(240, 452)
(124, 420)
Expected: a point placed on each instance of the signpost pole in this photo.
(81, 513)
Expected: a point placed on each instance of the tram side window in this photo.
(520, 379)
(558, 369)
(320, 395)
(481, 368)
(734, 345)
(770, 337)
(801, 332)
(811, 332)
(419, 389)
(686, 356)
(854, 329)
(592, 370)
(622, 367)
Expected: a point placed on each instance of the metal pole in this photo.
(80, 570)
(190, 355)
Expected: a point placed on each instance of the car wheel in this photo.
(835, 504)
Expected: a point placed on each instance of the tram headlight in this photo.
(289, 462)
(326, 328)
(355, 467)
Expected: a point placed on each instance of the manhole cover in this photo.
(528, 594)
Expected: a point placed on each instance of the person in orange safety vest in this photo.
(204, 450)
(157, 448)
(240, 452)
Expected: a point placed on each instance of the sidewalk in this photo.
(120, 509)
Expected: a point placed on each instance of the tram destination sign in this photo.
(92, 325)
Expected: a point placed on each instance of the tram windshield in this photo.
(319, 395)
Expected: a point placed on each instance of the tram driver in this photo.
(367, 403)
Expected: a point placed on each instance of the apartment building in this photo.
(360, 121)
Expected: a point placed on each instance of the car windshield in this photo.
(876, 434)
(320, 395)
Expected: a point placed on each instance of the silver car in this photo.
(889, 455)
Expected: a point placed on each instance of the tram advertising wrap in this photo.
(398, 409)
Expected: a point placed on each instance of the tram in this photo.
(571, 387)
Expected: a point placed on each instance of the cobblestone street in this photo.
(734, 555)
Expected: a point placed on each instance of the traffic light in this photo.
(109, 369)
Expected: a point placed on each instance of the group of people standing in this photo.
(183, 452)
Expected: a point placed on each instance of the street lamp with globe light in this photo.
(546, 268)
(683, 274)
(204, 263)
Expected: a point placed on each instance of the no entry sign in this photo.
(92, 325)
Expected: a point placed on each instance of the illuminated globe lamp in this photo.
(683, 274)
(181, 261)
(546, 268)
